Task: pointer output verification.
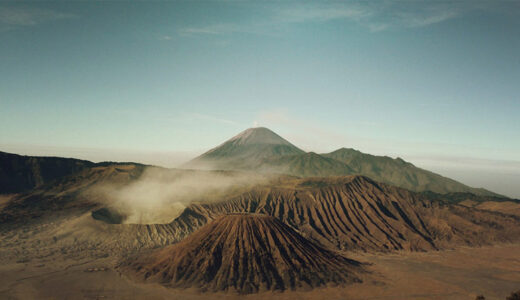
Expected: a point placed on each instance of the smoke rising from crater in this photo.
(160, 195)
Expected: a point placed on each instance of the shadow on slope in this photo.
(247, 254)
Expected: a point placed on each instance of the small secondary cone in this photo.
(246, 253)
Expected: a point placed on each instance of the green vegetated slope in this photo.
(400, 173)
(263, 150)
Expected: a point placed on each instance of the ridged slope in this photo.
(358, 213)
(245, 253)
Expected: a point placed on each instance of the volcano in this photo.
(356, 213)
(246, 253)
(247, 150)
(262, 150)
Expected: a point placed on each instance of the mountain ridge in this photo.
(21, 173)
(398, 172)
(260, 149)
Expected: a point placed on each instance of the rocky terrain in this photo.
(75, 215)
(357, 213)
(341, 213)
(246, 253)
(244, 231)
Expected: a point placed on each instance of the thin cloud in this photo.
(374, 16)
(212, 118)
(426, 15)
(375, 27)
(292, 128)
(16, 17)
(380, 17)
(420, 21)
(165, 38)
(215, 29)
(267, 26)
(322, 13)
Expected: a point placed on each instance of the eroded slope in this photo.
(358, 213)
(245, 253)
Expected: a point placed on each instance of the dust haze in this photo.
(159, 195)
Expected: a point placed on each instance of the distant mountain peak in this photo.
(246, 150)
(258, 135)
(260, 149)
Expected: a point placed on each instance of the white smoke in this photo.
(160, 195)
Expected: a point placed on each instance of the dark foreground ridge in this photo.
(246, 253)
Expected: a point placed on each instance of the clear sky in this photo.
(434, 82)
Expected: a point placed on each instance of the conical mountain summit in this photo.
(245, 151)
(257, 136)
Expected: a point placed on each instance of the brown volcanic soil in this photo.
(67, 196)
(55, 243)
(459, 274)
(59, 217)
(245, 253)
(505, 207)
(343, 213)
(356, 213)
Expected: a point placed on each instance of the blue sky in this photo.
(434, 82)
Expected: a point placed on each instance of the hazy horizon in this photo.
(499, 176)
(433, 82)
